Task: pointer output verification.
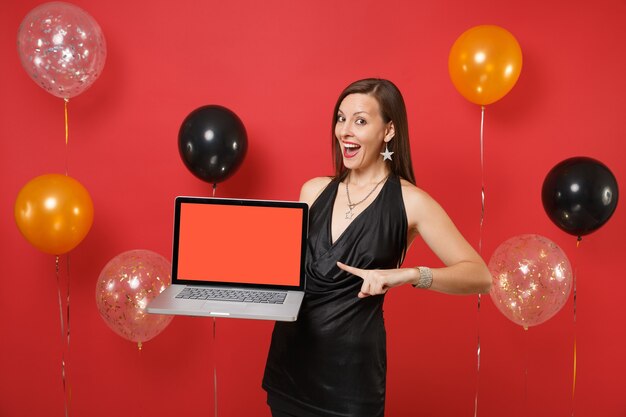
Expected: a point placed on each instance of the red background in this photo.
(280, 65)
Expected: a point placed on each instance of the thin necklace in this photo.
(351, 205)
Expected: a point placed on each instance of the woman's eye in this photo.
(360, 122)
(341, 118)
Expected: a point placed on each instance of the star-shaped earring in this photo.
(386, 155)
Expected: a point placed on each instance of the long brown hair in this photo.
(392, 109)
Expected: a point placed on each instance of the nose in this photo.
(342, 130)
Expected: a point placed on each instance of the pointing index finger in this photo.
(351, 269)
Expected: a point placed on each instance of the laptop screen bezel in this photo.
(180, 200)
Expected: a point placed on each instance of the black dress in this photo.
(332, 361)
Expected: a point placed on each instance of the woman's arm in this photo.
(464, 272)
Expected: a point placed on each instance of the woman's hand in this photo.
(378, 281)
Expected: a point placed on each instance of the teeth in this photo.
(351, 145)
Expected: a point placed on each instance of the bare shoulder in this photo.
(418, 203)
(413, 195)
(313, 188)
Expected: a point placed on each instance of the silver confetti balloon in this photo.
(62, 48)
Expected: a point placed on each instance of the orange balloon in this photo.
(485, 63)
(54, 213)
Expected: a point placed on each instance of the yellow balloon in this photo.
(485, 63)
(54, 213)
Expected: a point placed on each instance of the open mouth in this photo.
(350, 149)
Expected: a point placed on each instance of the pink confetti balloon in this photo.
(62, 48)
(125, 286)
(532, 279)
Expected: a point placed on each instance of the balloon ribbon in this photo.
(214, 370)
(526, 370)
(65, 332)
(477, 358)
(65, 329)
(67, 133)
(482, 175)
(480, 247)
(214, 344)
(574, 367)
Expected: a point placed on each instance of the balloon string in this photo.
(526, 371)
(67, 300)
(67, 133)
(477, 358)
(480, 247)
(67, 323)
(574, 365)
(482, 172)
(141, 375)
(214, 368)
(574, 380)
(63, 340)
(214, 348)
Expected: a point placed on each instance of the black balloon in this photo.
(579, 195)
(212, 142)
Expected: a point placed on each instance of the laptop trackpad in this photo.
(224, 308)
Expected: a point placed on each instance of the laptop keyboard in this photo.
(244, 296)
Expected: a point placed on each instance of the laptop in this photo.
(236, 258)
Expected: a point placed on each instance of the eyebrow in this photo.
(355, 113)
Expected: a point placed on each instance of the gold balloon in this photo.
(54, 213)
(485, 63)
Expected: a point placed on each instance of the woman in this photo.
(332, 361)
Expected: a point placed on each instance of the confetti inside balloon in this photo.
(532, 279)
(125, 286)
(62, 48)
